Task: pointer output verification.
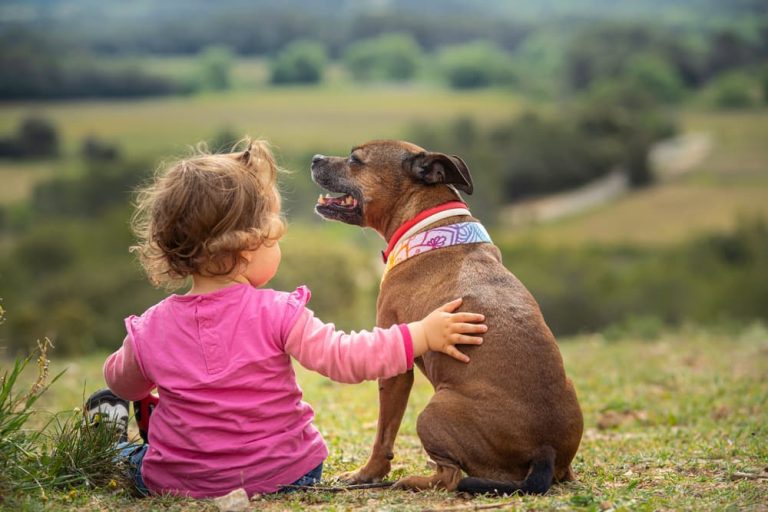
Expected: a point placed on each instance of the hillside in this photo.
(730, 184)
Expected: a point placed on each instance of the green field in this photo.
(296, 119)
(677, 423)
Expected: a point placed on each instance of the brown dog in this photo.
(509, 418)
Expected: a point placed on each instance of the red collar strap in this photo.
(418, 218)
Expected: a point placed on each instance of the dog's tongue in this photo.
(346, 200)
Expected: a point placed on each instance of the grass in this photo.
(673, 423)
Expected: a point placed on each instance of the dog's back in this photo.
(518, 397)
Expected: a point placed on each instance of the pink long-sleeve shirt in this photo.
(231, 412)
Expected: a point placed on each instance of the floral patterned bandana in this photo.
(436, 238)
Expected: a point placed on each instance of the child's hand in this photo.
(442, 329)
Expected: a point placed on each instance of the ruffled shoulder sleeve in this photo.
(295, 304)
(135, 327)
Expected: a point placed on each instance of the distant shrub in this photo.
(35, 137)
(38, 137)
(626, 121)
(733, 90)
(223, 141)
(473, 65)
(99, 150)
(301, 62)
(764, 84)
(102, 185)
(656, 77)
(389, 57)
(216, 64)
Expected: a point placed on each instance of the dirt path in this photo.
(670, 158)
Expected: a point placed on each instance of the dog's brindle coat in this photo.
(510, 416)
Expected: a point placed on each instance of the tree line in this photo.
(476, 52)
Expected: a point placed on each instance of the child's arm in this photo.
(379, 353)
(124, 375)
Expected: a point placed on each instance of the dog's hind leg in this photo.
(436, 428)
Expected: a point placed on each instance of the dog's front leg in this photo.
(393, 397)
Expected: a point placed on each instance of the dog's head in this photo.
(384, 180)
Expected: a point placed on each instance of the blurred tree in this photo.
(655, 76)
(301, 62)
(97, 149)
(216, 63)
(477, 64)
(625, 120)
(223, 141)
(387, 57)
(646, 53)
(764, 84)
(733, 90)
(37, 137)
(436, 27)
(43, 253)
(729, 50)
(102, 184)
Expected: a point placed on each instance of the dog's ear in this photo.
(435, 168)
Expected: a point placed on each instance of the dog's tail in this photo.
(538, 480)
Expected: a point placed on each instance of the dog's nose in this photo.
(317, 158)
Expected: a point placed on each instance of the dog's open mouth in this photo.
(342, 206)
(344, 202)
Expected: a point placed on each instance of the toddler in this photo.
(230, 412)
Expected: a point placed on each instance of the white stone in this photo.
(235, 501)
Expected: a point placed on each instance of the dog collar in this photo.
(437, 238)
(422, 220)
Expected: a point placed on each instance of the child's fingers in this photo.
(468, 328)
(467, 317)
(461, 339)
(450, 307)
(456, 354)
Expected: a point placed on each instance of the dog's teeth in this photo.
(320, 199)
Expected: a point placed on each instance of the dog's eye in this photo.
(353, 159)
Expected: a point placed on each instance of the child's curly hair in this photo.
(200, 213)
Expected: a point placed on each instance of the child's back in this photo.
(230, 409)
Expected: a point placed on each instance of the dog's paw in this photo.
(365, 475)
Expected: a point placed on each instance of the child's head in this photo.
(199, 215)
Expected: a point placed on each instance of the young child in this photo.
(230, 413)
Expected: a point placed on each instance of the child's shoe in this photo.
(142, 410)
(104, 405)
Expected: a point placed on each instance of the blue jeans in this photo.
(133, 455)
(311, 478)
